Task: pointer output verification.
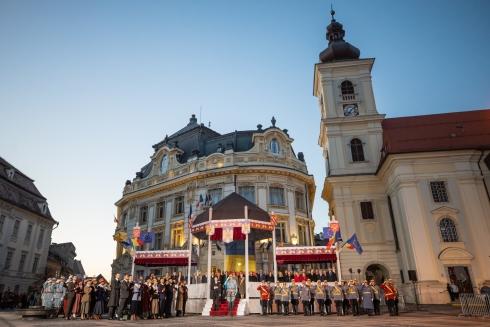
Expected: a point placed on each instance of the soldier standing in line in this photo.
(264, 296)
(337, 294)
(271, 297)
(285, 298)
(328, 300)
(320, 296)
(367, 294)
(305, 297)
(277, 297)
(312, 295)
(391, 297)
(353, 297)
(376, 298)
(294, 296)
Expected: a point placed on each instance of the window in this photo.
(347, 88)
(248, 192)
(274, 146)
(8, 259)
(215, 195)
(40, 239)
(302, 235)
(27, 239)
(143, 215)
(439, 192)
(179, 205)
(367, 210)
(177, 237)
(158, 241)
(2, 222)
(160, 210)
(448, 230)
(299, 200)
(356, 150)
(15, 231)
(276, 196)
(22, 261)
(164, 164)
(280, 233)
(35, 264)
(124, 219)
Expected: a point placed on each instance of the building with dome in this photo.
(415, 190)
(196, 167)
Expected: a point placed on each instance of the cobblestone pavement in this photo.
(10, 319)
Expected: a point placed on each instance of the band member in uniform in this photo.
(271, 297)
(376, 298)
(277, 297)
(294, 296)
(367, 298)
(319, 292)
(353, 297)
(285, 298)
(391, 297)
(312, 294)
(264, 296)
(337, 295)
(305, 297)
(328, 300)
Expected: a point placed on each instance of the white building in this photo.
(25, 230)
(413, 189)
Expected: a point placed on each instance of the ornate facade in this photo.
(25, 230)
(197, 163)
(413, 189)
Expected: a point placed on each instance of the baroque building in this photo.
(413, 189)
(197, 165)
(25, 230)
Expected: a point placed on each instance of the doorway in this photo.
(460, 276)
(377, 272)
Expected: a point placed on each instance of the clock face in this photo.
(351, 110)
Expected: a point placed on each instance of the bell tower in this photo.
(350, 130)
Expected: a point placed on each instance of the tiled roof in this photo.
(19, 190)
(438, 132)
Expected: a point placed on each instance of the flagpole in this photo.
(274, 263)
(208, 295)
(246, 256)
(190, 256)
(337, 254)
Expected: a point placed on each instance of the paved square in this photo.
(9, 319)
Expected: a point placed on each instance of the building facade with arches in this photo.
(415, 190)
(196, 167)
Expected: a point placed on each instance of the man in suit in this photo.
(124, 290)
(70, 295)
(114, 297)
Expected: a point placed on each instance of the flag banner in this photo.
(120, 236)
(127, 243)
(135, 242)
(147, 237)
(353, 243)
(273, 219)
(327, 233)
(136, 232)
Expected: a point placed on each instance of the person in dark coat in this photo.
(216, 292)
(100, 299)
(114, 297)
(169, 295)
(145, 298)
(70, 296)
(124, 290)
(161, 297)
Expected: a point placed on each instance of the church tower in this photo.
(350, 132)
(351, 137)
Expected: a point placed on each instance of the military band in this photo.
(349, 298)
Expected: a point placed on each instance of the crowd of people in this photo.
(124, 298)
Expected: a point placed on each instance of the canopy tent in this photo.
(163, 258)
(304, 254)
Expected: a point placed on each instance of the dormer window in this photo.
(164, 164)
(274, 146)
(347, 89)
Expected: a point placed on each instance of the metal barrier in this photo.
(475, 304)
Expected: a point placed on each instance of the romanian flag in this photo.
(273, 219)
(353, 244)
(333, 234)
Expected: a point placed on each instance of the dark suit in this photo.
(70, 298)
(124, 290)
(114, 297)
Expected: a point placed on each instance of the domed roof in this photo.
(338, 49)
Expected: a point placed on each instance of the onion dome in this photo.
(338, 49)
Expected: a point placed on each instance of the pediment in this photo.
(454, 253)
(444, 210)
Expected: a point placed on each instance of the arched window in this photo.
(274, 146)
(347, 88)
(356, 149)
(448, 230)
(164, 164)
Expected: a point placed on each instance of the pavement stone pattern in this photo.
(11, 319)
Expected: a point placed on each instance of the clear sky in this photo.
(86, 87)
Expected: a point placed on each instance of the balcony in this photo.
(348, 97)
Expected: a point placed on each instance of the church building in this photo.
(415, 190)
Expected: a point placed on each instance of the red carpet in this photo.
(223, 309)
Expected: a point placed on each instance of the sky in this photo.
(87, 87)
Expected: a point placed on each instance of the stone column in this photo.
(151, 221)
(168, 216)
(293, 227)
(262, 196)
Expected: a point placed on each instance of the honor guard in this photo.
(294, 296)
(320, 296)
(277, 297)
(367, 295)
(263, 290)
(376, 297)
(285, 298)
(337, 295)
(305, 297)
(391, 297)
(353, 297)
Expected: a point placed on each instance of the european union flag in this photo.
(327, 233)
(147, 237)
(353, 243)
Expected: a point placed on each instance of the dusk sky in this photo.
(87, 87)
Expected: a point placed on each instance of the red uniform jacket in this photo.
(390, 292)
(264, 292)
